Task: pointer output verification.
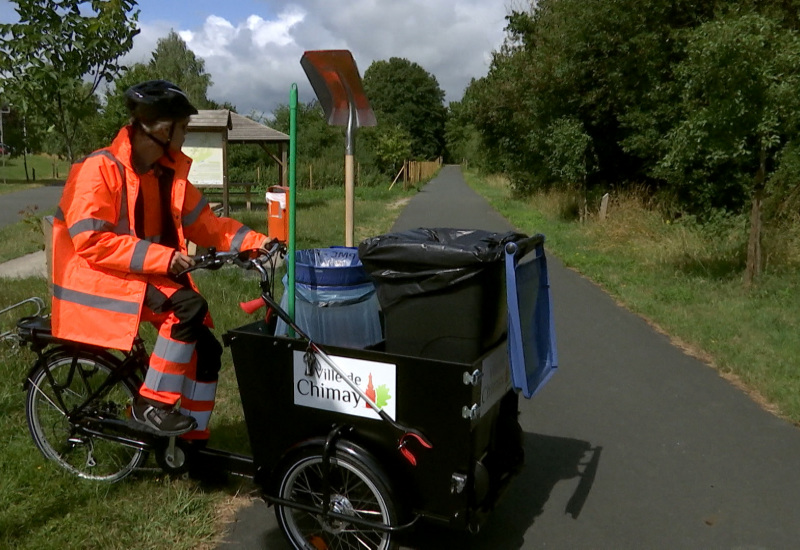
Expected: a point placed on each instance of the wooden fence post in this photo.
(604, 207)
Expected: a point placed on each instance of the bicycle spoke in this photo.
(352, 493)
(47, 398)
(88, 456)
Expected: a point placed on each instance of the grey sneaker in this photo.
(166, 422)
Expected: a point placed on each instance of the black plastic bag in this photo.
(425, 260)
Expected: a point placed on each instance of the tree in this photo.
(390, 145)
(607, 65)
(504, 108)
(739, 114)
(569, 154)
(59, 52)
(13, 127)
(173, 60)
(461, 137)
(402, 92)
(315, 137)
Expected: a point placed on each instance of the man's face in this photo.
(179, 134)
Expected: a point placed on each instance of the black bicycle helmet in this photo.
(158, 99)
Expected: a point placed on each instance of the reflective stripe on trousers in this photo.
(172, 375)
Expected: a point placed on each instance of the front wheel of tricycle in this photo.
(355, 490)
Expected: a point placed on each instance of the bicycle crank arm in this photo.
(129, 434)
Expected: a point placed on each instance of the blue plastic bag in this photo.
(335, 300)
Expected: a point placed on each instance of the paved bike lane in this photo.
(633, 444)
(38, 200)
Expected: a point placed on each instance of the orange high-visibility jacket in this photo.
(100, 266)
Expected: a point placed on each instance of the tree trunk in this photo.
(753, 268)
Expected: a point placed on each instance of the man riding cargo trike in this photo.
(387, 397)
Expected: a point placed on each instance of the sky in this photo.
(252, 48)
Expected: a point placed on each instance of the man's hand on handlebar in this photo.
(267, 245)
(180, 263)
(272, 247)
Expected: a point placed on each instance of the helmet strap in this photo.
(164, 144)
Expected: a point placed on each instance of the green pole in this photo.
(292, 197)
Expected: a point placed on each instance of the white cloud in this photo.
(249, 63)
(253, 62)
(213, 39)
(275, 32)
(145, 42)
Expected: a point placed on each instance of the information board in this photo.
(205, 149)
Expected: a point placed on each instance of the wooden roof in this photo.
(240, 128)
(249, 131)
(211, 120)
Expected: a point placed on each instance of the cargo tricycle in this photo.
(350, 445)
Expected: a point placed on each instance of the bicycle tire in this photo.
(86, 456)
(356, 489)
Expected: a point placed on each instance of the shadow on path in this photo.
(549, 460)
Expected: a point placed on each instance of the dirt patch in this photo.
(399, 203)
(225, 512)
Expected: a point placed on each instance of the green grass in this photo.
(22, 237)
(42, 169)
(686, 279)
(42, 507)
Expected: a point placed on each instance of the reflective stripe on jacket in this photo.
(100, 266)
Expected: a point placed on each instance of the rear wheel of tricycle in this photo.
(356, 490)
(55, 390)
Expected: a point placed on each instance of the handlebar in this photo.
(254, 258)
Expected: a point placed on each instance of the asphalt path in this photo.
(632, 444)
(38, 199)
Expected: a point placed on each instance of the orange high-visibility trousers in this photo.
(185, 362)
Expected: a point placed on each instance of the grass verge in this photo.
(23, 237)
(685, 278)
(42, 507)
(41, 170)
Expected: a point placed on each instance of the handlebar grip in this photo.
(252, 306)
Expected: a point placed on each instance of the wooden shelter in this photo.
(219, 119)
(235, 128)
(249, 131)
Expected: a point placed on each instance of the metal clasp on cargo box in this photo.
(471, 413)
(457, 483)
(472, 379)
